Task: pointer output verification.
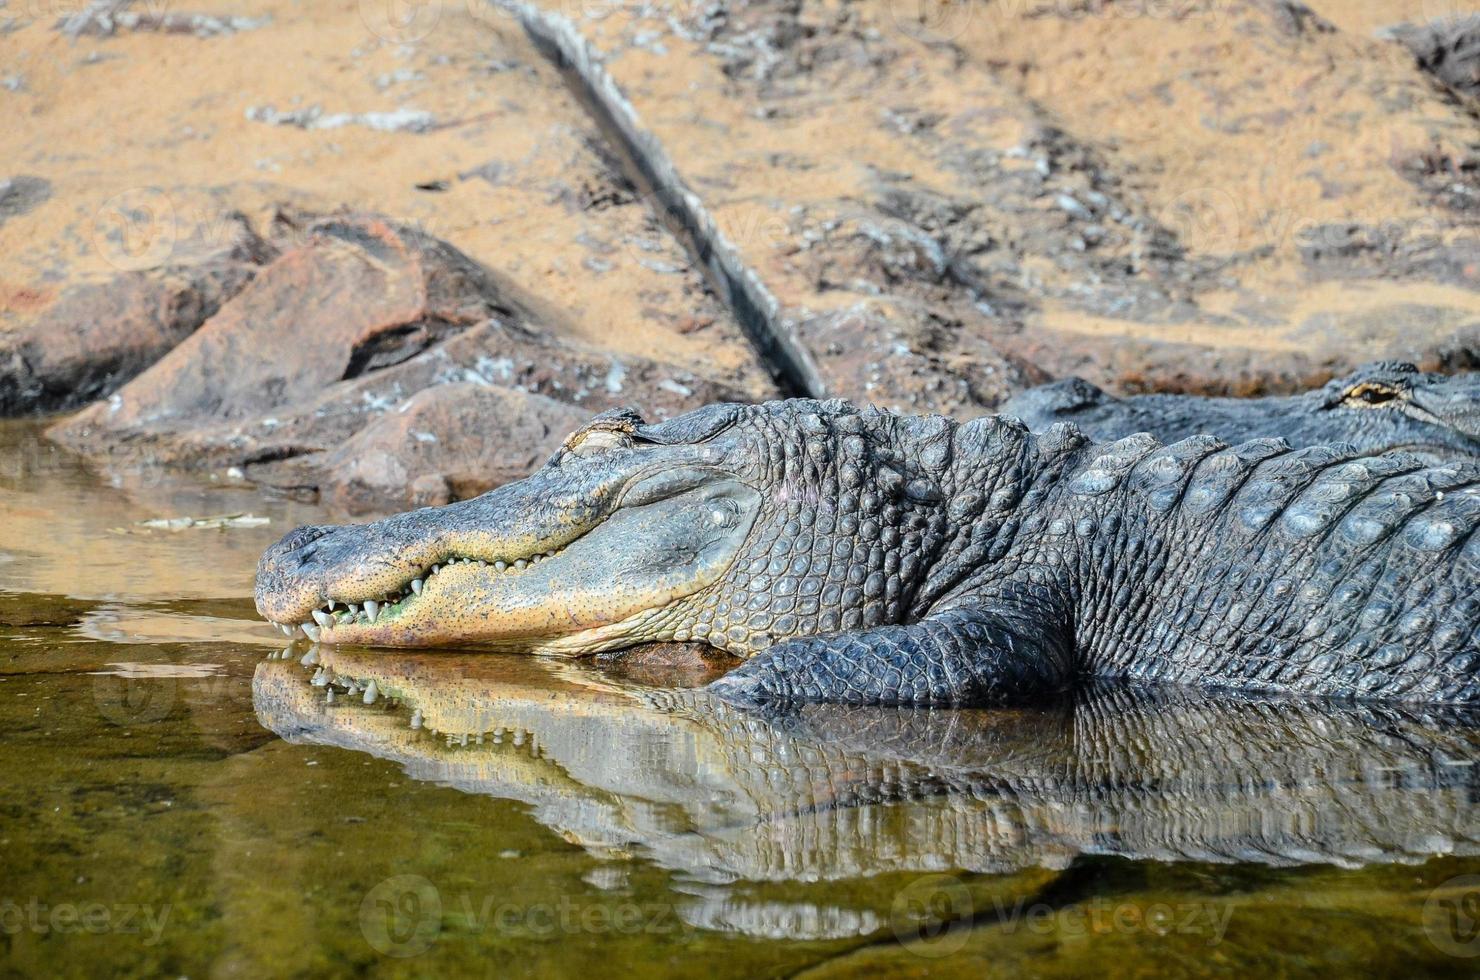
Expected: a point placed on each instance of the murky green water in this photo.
(181, 798)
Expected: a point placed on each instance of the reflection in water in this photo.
(138, 777)
(70, 532)
(828, 792)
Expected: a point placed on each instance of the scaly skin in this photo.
(1376, 408)
(864, 557)
(835, 791)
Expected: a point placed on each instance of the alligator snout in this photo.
(283, 568)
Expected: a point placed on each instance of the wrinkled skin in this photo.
(835, 791)
(1378, 407)
(864, 557)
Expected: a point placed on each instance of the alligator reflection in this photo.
(827, 791)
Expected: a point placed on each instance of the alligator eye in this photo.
(596, 440)
(722, 513)
(1372, 394)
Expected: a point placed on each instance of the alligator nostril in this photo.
(301, 536)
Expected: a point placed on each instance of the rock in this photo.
(309, 378)
(903, 357)
(1447, 48)
(358, 295)
(497, 354)
(448, 442)
(21, 194)
(98, 335)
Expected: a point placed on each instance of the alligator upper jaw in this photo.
(521, 568)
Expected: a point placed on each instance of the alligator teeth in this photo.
(371, 693)
(311, 657)
(435, 570)
(287, 630)
(322, 618)
(416, 586)
(372, 610)
(501, 566)
(311, 631)
(521, 564)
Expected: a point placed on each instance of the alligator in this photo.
(825, 792)
(861, 556)
(1380, 406)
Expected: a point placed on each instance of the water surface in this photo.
(186, 796)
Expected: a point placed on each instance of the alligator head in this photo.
(1398, 406)
(1378, 407)
(594, 550)
(733, 525)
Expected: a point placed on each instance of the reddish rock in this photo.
(96, 336)
(448, 442)
(359, 294)
(309, 378)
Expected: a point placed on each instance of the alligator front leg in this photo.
(959, 657)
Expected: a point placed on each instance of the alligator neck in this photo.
(999, 493)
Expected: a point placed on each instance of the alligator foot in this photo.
(961, 657)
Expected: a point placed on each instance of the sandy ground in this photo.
(1239, 149)
(946, 201)
(148, 140)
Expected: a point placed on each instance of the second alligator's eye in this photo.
(1370, 394)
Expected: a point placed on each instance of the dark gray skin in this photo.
(865, 557)
(1382, 406)
(1144, 774)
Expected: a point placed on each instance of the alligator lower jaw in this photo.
(339, 616)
